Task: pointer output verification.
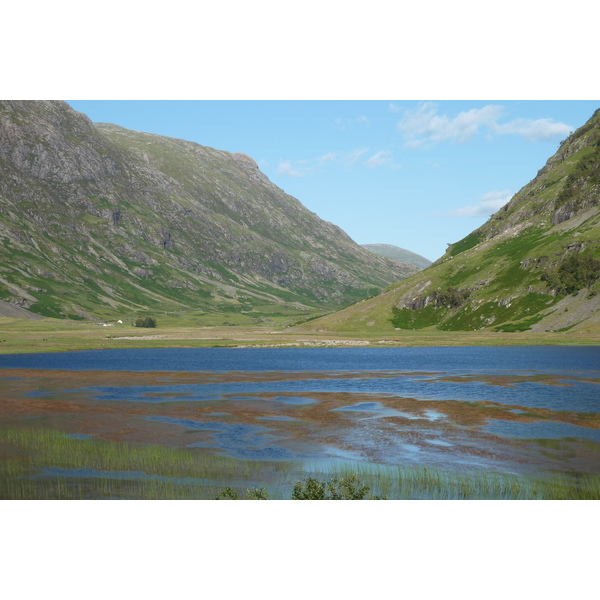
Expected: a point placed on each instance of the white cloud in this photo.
(540, 129)
(394, 107)
(383, 158)
(488, 204)
(350, 158)
(285, 168)
(306, 166)
(343, 124)
(327, 158)
(425, 127)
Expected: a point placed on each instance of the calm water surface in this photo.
(545, 359)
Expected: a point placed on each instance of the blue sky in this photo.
(416, 174)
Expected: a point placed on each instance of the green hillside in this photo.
(535, 265)
(97, 221)
(397, 253)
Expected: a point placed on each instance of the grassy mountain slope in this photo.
(397, 253)
(99, 221)
(535, 265)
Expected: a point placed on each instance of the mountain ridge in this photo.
(99, 220)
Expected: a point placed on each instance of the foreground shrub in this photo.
(343, 488)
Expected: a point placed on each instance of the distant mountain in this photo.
(535, 264)
(97, 220)
(397, 253)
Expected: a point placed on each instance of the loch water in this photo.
(509, 409)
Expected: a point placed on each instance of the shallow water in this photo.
(455, 408)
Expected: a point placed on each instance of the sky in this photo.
(415, 174)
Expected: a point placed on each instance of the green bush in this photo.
(575, 273)
(228, 494)
(257, 494)
(253, 494)
(450, 298)
(346, 488)
(343, 488)
(147, 322)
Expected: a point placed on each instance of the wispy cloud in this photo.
(383, 158)
(540, 129)
(343, 124)
(488, 204)
(286, 168)
(351, 158)
(425, 127)
(301, 168)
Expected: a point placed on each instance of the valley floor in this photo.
(51, 335)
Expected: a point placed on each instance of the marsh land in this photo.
(412, 422)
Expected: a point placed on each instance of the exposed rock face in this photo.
(245, 160)
(12, 311)
(164, 223)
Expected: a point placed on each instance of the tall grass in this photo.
(42, 464)
(426, 483)
(118, 470)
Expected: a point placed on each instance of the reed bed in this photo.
(425, 483)
(43, 465)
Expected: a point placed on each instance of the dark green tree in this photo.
(147, 322)
(575, 273)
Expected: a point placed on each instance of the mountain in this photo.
(535, 264)
(397, 253)
(97, 220)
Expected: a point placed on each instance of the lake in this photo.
(504, 410)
